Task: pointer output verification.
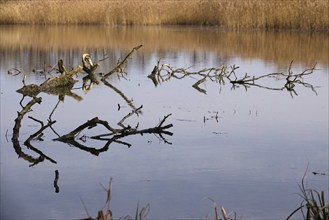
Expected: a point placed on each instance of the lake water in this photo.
(245, 149)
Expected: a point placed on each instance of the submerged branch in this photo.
(115, 134)
(165, 72)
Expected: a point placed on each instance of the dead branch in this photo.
(89, 67)
(115, 134)
(89, 124)
(15, 137)
(134, 111)
(121, 64)
(165, 72)
(59, 85)
(292, 79)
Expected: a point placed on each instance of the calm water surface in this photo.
(245, 149)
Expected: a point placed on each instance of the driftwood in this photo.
(291, 80)
(60, 85)
(165, 72)
(115, 134)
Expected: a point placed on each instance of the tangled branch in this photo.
(114, 135)
(165, 72)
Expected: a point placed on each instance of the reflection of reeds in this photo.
(277, 47)
(295, 14)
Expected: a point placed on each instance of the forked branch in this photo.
(114, 135)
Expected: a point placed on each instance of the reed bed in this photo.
(232, 14)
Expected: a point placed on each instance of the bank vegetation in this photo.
(231, 14)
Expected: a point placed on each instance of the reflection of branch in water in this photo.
(134, 111)
(124, 97)
(128, 130)
(27, 142)
(16, 131)
(114, 136)
(70, 137)
(119, 69)
(56, 181)
(89, 67)
(51, 114)
(165, 72)
(292, 79)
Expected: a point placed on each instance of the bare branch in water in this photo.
(115, 133)
(165, 72)
(121, 64)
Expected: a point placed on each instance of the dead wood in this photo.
(121, 64)
(60, 85)
(115, 134)
(89, 67)
(165, 72)
(291, 80)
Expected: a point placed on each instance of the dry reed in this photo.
(233, 14)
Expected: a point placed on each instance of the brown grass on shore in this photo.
(233, 14)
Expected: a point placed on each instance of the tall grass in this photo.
(233, 14)
(315, 205)
(106, 212)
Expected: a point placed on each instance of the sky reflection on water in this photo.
(250, 160)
